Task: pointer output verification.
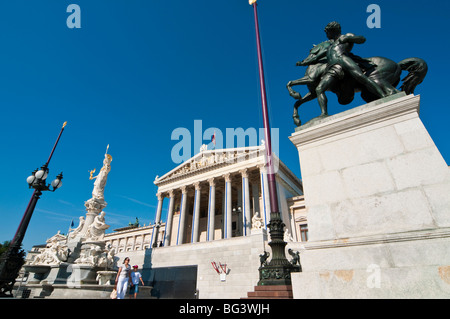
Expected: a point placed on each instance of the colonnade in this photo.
(252, 196)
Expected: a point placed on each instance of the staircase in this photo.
(271, 292)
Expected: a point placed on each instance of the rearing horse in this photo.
(385, 72)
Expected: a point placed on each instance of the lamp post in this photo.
(278, 270)
(11, 261)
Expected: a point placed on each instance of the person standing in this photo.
(135, 278)
(123, 278)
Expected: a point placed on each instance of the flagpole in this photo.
(278, 270)
(270, 168)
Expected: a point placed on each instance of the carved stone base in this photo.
(95, 205)
(106, 277)
(278, 270)
(276, 275)
(271, 292)
(37, 273)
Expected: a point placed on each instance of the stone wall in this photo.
(241, 254)
(377, 194)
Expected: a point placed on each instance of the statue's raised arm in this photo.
(101, 178)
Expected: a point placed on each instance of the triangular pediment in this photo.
(57, 237)
(208, 159)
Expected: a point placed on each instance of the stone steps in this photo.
(271, 292)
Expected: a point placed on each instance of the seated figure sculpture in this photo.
(96, 231)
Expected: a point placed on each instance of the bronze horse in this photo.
(385, 72)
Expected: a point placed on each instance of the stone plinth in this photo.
(377, 193)
(92, 292)
(37, 273)
(271, 292)
(106, 277)
(93, 207)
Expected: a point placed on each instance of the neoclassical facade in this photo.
(213, 209)
(216, 194)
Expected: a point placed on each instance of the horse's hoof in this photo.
(297, 121)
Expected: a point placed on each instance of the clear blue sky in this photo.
(138, 69)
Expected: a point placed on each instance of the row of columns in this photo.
(227, 215)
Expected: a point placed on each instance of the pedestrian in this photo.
(135, 278)
(123, 278)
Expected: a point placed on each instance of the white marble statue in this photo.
(100, 179)
(107, 259)
(54, 254)
(287, 237)
(77, 230)
(257, 222)
(96, 231)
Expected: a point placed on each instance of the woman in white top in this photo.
(123, 278)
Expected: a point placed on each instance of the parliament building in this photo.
(218, 211)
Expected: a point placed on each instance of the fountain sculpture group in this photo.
(79, 259)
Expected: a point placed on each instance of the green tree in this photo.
(4, 248)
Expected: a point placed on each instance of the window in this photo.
(304, 232)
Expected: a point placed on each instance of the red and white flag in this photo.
(215, 267)
(224, 267)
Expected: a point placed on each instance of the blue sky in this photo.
(139, 69)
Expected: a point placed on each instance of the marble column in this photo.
(228, 222)
(211, 209)
(196, 216)
(255, 195)
(168, 231)
(265, 211)
(224, 209)
(181, 221)
(246, 214)
(158, 216)
(159, 210)
(238, 210)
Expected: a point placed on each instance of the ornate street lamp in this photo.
(278, 270)
(11, 261)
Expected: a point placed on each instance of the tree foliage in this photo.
(4, 248)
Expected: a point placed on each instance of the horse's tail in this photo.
(417, 69)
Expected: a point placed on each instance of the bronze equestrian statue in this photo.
(332, 67)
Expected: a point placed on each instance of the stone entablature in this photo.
(133, 239)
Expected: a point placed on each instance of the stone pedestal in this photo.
(271, 292)
(105, 277)
(377, 194)
(37, 273)
(93, 207)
